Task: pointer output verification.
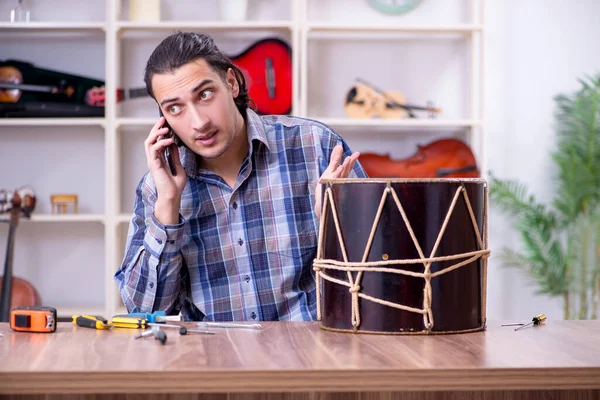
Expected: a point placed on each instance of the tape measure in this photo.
(33, 319)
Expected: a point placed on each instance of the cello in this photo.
(16, 291)
(443, 158)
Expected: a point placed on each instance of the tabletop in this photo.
(300, 356)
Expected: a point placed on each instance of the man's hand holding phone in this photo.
(168, 185)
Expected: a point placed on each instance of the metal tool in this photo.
(184, 331)
(537, 320)
(513, 324)
(158, 334)
(208, 324)
(165, 325)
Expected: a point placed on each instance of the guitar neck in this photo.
(5, 297)
(134, 93)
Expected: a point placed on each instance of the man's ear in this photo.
(232, 83)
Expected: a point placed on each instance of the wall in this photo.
(535, 50)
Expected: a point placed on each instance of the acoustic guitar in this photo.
(266, 66)
(364, 100)
(443, 158)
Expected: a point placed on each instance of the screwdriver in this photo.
(182, 329)
(127, 322)
(156, 316)
(90, 321)
(537, 320)
(208, 324)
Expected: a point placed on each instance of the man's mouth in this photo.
(207, 138)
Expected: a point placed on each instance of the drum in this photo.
(402, 256)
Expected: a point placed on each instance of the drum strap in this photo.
(387, 266)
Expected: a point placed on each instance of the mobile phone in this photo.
(170, 134)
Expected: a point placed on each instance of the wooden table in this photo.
(300, 361)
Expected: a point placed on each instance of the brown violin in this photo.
(16, 291)
(444, 158)
(11, 86)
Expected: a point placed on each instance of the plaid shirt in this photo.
(236, 254)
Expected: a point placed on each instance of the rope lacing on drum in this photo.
(321, 264)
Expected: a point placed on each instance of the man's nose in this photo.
(199, 120)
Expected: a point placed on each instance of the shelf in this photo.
(52, 26)
(209, 25)
(124, 218)
(320, 27)
(58, 218)
(52, 121)
(136, 121)
(398, 123)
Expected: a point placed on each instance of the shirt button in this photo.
(234, 205)
(253, 315)
(151, 285)
(247, 278)
(158, 241)
(240, 242)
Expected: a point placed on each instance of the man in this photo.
(233, 233)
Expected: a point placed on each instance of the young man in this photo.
(233, 233)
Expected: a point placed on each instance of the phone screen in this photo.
(168, 155)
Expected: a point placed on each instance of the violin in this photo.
(11, 86)
(443, 158)
(16, 291)
(365, 100)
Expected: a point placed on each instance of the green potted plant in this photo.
(561, 242)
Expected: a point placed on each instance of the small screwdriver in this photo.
(537, 320)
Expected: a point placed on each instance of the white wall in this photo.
(534, 50)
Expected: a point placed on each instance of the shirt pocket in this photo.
(304, 244)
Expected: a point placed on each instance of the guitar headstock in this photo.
(97, 96)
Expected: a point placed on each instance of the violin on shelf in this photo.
(443, 158)
(12, 86)
(23, 82)
(365, 100)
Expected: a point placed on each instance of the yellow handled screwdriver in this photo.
(537, 320)
(129, 322)
(90, 321)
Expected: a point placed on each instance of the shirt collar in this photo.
(255, 130)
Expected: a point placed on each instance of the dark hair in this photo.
(183, 47)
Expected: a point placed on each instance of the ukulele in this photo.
(365, 100)
(16, 291)
(443, 158)
(267, 69)
(11, 86)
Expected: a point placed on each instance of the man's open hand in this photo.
(335, 170)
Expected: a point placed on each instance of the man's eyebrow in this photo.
(194, 90)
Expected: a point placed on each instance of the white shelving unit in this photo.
(302, 32)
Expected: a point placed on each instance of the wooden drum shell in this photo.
(457, 296)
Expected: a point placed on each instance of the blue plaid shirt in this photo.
(236, 254)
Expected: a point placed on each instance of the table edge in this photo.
(227, 381)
